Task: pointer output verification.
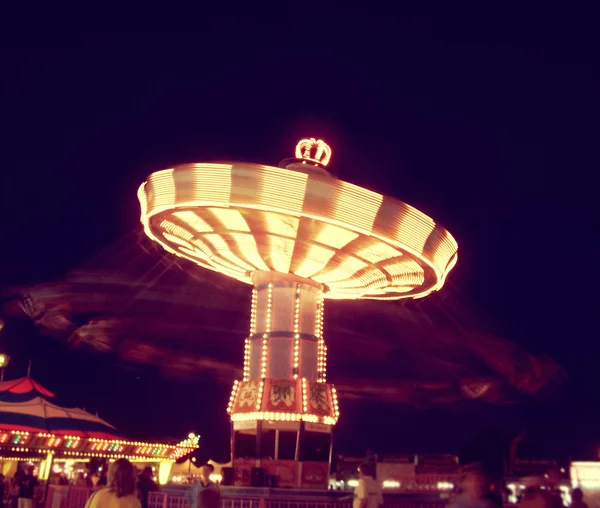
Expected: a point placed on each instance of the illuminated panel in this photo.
(163, 188)
(404, 224)
(281, 250)
(377, 251)
(334, 236)
(256, 358)
(192, 219)
(346, 269)
(204, 247)
(308, 359)
(405, 272)
(308, 307)
(280, 225)
(280, 358)
(224, 250)
(356, 206)
(261, 311)
(247, 246)
(369, 278)
(265, 348)
(213, 263)
(176, 230)
(178, 241)
(230, 218)
(272, 194)
(314, 261)
(197, 255)
(212, 182)
(283, 309)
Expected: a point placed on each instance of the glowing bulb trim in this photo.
(243, 411)
(296, 332)
(67, 445)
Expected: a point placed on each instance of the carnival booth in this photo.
(62, 440)
(184, 472)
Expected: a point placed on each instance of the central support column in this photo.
(283, 410)
(286, 329)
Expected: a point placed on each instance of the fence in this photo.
(63, 496)
(165, 500)
(75, 497)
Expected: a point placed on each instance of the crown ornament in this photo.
(313, 150)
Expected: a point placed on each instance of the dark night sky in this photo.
(487, 124)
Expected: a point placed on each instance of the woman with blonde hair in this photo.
(121, 489)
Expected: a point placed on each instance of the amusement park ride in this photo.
(299, 236)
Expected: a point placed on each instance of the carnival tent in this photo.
(23, 407)
(39, 415)
(30, 425)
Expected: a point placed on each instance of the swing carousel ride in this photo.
(299, 236)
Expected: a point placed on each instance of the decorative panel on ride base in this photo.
(314, 474)
(286, 471)
(319, 399)
(247, 397)
(242, 472)
(282, 395)
(284, 400)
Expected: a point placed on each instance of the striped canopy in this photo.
(22, 389)
(23, 407)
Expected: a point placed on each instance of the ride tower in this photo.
(299, 236)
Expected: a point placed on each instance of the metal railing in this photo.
(60, 496)
(64, 496)
(166, 500)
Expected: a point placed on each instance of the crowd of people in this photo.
(119, 487)
(124, 489)
(477, 491)
(19, 491)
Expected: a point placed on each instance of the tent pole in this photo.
(49, 472)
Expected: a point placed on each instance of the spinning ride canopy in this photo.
(163, 312)
(241, 218)
(155, 311)
(299, 236)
